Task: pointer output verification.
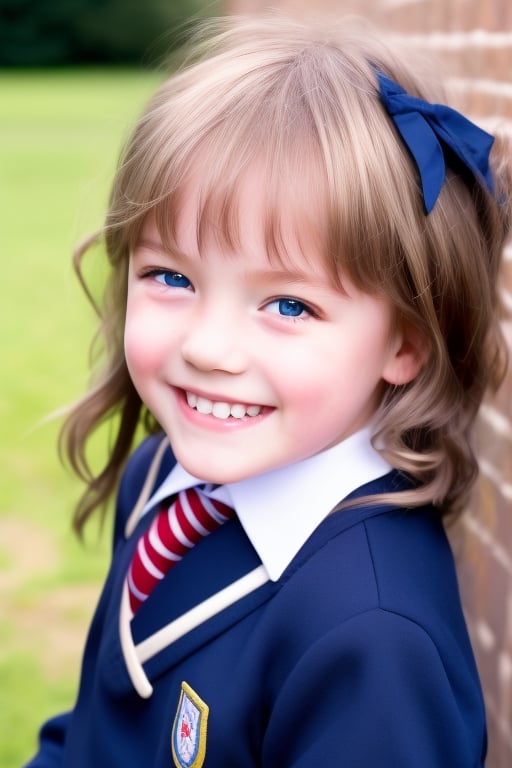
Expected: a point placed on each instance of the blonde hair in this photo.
(302, 100)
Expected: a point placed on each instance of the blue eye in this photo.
(172, 279)
(288, 308)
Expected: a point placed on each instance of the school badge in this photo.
(188, 738)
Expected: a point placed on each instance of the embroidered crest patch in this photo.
(188, 738)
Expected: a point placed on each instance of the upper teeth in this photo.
(221, 410)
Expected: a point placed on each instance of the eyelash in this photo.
(305, 310)
(167, 273)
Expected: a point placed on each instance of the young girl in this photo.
(304, 248)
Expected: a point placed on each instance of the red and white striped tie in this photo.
(174, 531)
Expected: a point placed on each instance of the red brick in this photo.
(482, 540)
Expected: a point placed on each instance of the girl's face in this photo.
(250, 365)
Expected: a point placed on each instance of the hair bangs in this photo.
(293, 186)
(307, 122)
(298, 106)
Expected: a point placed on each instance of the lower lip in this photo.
(212, 422)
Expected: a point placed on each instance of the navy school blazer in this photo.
(358, 656)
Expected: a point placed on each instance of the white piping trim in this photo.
(145, 493)
(201, 613)
(137, 675)
(136, 655)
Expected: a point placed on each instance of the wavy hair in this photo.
(302, 101)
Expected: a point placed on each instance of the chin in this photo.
(205, 470)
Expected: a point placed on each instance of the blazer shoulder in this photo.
(366, 558)
(151, 462)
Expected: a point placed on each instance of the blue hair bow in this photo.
(431, 132)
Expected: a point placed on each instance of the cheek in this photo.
(142, 344)
(332, 376)
(302, 384)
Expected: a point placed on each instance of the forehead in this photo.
(248, 218)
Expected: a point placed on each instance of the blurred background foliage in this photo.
(73, 76)
(35, 33)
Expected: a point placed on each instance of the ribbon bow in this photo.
(428, 130)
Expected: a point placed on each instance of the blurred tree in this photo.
(55, 32)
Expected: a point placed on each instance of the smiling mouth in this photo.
(221, 410)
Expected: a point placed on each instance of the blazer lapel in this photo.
(194, 602)
(218, 583)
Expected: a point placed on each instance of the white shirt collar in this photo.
(280, 509)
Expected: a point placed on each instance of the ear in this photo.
(409, 353)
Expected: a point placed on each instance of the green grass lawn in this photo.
(60, 133)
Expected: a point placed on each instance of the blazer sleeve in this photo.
(52, 735)
(374, 691)
(51, 743)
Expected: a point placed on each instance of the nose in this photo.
(214, 341)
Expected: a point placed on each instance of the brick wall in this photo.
(473, 41)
